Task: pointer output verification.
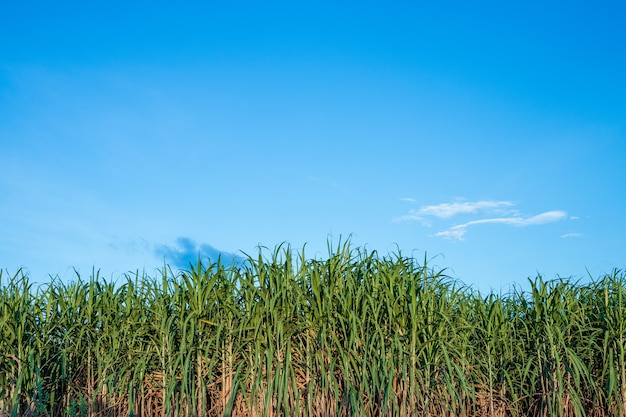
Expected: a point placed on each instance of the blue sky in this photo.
(489, 137)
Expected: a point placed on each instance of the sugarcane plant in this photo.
(280, 334)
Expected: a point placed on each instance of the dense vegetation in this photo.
(283, 335)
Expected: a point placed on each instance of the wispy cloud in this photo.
(408, 199)
(491, 211)
(458, 232)
(571, 235)
(447, 210)
(186, 252)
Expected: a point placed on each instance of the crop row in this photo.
(356, 334)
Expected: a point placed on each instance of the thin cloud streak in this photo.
(458, 232)
(571, 235)
(447, 210)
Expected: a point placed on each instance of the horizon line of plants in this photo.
(356, 334)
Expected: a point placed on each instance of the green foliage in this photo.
(282, 335)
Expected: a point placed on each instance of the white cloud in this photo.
(452, 234)
(458, 232)
(447, 210)
(501, 207)
(571, 235)
(547, 217)
(408, 199)
(407, 217)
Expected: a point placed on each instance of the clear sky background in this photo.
(489, 137)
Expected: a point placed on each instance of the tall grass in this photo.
(282, 335)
